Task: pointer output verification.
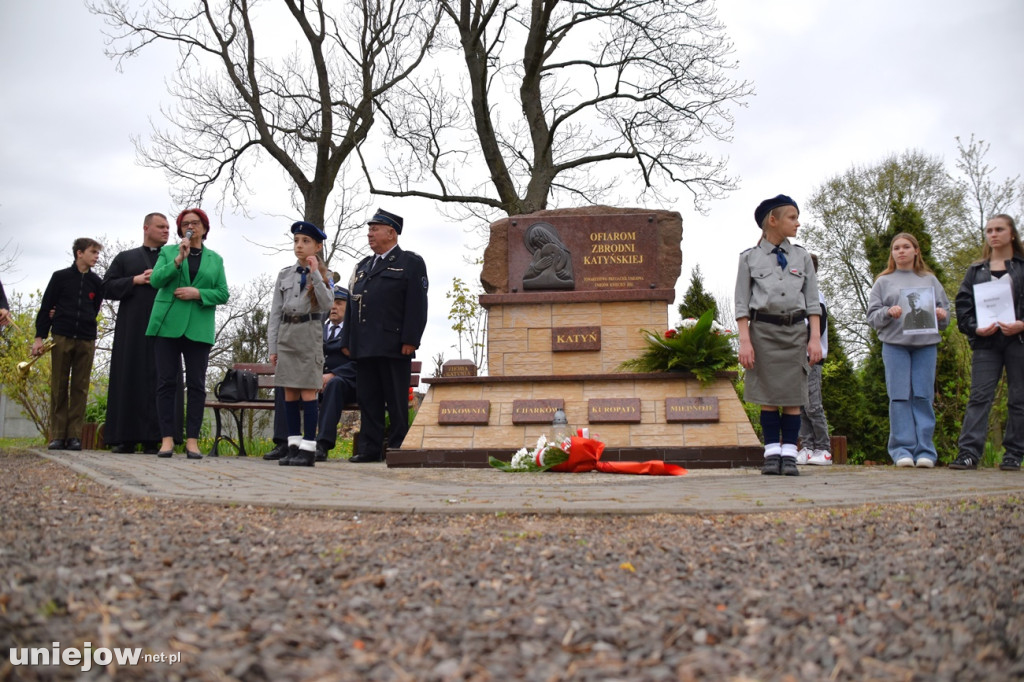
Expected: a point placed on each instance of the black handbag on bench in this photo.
(238, 385)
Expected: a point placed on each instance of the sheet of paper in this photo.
(993, 302)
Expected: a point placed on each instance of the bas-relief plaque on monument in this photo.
(613, 410)
(691, 409)
(535, 411)
(575, 338)
(463, 412)
(582, 253)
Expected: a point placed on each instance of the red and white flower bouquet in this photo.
(577, 455)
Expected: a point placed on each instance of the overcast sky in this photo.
(837, 83)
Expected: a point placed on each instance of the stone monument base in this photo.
(667, 416)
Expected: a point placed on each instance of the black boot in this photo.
(303, 458)
(293, 451)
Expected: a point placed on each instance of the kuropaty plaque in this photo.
(535, 411)
(464, 412)
(582, 253)
(613, 410)
(691, 409)
(575, 338)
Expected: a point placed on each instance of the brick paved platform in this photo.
(339, 484)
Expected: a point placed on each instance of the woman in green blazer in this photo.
(191, 284)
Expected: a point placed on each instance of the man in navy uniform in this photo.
(383, 325)
(339, 377)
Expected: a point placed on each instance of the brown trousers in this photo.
(70, 370)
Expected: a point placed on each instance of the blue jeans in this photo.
(910, 384)
(987, 366)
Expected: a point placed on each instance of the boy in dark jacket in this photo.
(69, 307)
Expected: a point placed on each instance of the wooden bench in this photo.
(265, 378)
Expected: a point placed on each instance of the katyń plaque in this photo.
(575, 338)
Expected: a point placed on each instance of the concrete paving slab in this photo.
(341, 485)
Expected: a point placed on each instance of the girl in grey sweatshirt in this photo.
(907, 308)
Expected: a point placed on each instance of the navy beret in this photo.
(382, 217)
(768, 205)
(310, 230)
(340, 293)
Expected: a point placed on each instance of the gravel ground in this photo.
(895, 592)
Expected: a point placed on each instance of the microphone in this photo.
(188, 233)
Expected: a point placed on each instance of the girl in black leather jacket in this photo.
(997, 346)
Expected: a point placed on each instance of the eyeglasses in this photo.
(191, 223)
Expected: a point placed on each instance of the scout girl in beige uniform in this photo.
(776, 290)
(301, 300)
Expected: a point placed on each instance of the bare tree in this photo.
(240, 101)
(559, 99)
(242, 324)
(10, 254)
(984, 195)
(345, 231)
(983, 198)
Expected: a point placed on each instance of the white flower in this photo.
(688, 323)
(522, 459)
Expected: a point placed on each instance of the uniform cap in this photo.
(382, 217)
(768, 205)
(309, 229)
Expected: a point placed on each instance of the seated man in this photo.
(339, 377)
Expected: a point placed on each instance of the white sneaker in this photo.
(924, 463)
(905, 461)
(820, 458)
(803, 456)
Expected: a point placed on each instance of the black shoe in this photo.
(123, 448)
(1010, 463)
(964, 461)
(303, 458)
(788, 467)
(192, 454)
(56, 444)
(362, 458)
(150, 448)
(73, 444)
(772, 466)
(278, 452)
(321, 452)
(290, 454)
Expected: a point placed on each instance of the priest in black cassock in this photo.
(131, 393)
